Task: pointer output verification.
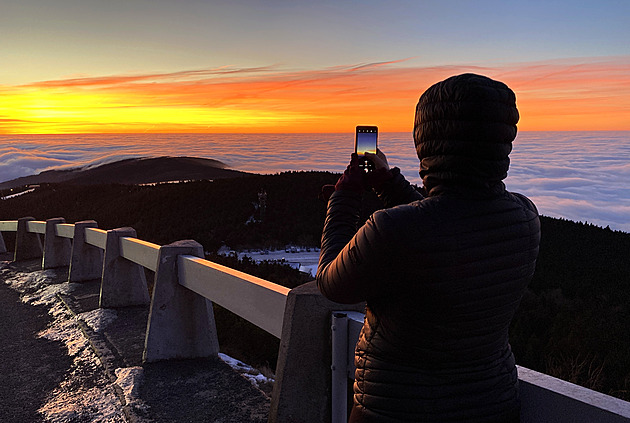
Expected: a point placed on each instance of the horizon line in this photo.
(275, 133)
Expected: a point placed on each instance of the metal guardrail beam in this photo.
(140, 252)
(8, 226)
(259, 301)
(64, 230)
(36, 226)
(96, 237)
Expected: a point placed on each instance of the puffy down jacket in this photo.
(442, 277)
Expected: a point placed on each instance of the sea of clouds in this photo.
(581, 176)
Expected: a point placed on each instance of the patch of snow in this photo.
(85, 394)
(18, 194)
(64, 329)
(129, 380)
(298, 258)
(94, 405)
(98, 319)
(310, 269)
(253, 375)
(180, 181)
(46, 295)
(28, 282)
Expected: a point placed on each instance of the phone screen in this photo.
(366, 137)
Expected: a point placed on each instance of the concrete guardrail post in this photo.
(3, 247)
(303, 387)
(123, 283)
(181, 322)
(27, 245)
(57, 249)
(86, 262)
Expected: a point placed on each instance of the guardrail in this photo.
(181, 321)
(259, 301)
(543, 397)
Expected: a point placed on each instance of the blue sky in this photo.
(44, 39)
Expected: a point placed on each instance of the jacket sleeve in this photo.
(351, 262)
(526, 202)
(397, 191)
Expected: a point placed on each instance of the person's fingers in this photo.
(380, 161)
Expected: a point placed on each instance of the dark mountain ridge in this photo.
(132, 171)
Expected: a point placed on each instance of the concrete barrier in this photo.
(123, 282)
(86, 262)
(181, 322)
(28, 245)
(302, 391)
(3, 246)
(57, 250)
(548, 399)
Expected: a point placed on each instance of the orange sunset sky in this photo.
(125, 67)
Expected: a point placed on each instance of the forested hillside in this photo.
(574, 319)
(573, 322)
(210, 212)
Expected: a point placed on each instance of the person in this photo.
(443, 273)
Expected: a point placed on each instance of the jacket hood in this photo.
(464, 128)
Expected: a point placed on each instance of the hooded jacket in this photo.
(442, 276)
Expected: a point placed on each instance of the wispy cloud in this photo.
(576, 94)
(155, 77)
(558, 95)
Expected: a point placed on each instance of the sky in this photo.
(136, 66)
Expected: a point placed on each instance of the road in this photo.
(31, 367)
(57, 369)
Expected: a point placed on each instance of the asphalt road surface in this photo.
(30, 367)
(36, 370)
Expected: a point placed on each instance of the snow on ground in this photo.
(98, 319)
(28, 282)
(129, 380)
(18, 194)
(85, 394)
(253, 375)
(301, 259)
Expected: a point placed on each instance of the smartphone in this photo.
(365, 141)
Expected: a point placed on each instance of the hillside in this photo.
(573, 322)
(212, 212)
(132, 171)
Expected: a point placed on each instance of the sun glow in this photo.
(550, 96)
(55, 111)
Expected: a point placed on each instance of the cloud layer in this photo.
(581, 176)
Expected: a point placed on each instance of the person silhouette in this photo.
(442, 274)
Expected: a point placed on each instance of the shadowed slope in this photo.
(133, 171)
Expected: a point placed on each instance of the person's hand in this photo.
(379, 160)
(352, 178)
(381, 174)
